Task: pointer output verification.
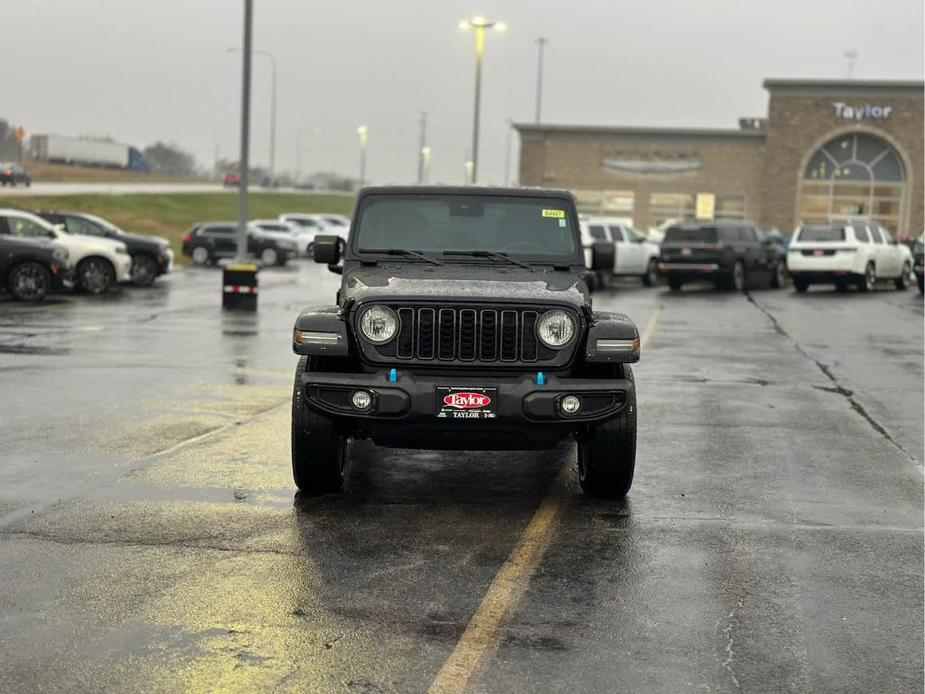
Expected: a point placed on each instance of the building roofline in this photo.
(815, 83)
(643, 131)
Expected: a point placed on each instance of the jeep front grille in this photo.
(475, 334)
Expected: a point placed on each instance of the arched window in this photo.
(854, 174)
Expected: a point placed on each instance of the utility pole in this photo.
(422, 145)
(241, 254)
(541, 43)
(479, 25)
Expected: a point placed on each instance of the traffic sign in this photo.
(20, 134)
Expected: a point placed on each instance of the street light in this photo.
(480, 25)
(363, 132)
(468, 171)
(425, 162)
(272, 59)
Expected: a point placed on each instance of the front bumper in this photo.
(692, 271)
(404, 412)
(826, 276)
(123, 266)
(165, 261)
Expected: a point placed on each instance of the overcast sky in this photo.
(143, 70)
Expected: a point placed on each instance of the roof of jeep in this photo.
(468, 190)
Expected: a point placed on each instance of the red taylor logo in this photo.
(466, 401)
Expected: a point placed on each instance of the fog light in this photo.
(570, 404)
(362, 400)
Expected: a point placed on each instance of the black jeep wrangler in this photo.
(463, 322)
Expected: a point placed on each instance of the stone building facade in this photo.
(825, 149)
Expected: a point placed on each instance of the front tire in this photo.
(144, 270)
(28, 281)
(607, 451)
(869, 279)
(319, 452)
(736, 279)
(95, 275)
(902, 282)
(779, 276)
(200, 255)
(651, 276)
(269, 256)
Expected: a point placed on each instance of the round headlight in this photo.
(379, 324)
(555, 329)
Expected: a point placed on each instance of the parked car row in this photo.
(736, 254)
(271, 241)
(43, 252)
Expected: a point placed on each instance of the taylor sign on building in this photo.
(848, 112)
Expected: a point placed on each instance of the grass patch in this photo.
(171, 215)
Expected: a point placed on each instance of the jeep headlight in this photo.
(379, 324)
(555, 329)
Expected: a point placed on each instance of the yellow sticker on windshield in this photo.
(555, 214)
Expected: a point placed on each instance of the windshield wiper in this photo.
(402, 251)
(494, 255)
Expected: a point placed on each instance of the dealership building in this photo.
(825, 148)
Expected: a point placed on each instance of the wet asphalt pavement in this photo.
(150, 538)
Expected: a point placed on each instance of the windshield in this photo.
(822, 233)
(691, 235)
(539, 229)
(100, 222)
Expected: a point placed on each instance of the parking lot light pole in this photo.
(479, 25)
(272, 60)
(363, 132)
(241, 254)
(425, 160)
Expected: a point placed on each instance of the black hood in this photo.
(466, 282)
(140, 240)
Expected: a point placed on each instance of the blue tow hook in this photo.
(540, 378)
(393, 375)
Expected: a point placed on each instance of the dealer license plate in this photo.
(466, 403)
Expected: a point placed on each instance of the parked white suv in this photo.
(857, 252)
(314, 224)
(280, 230)
(635, 255)
(94, 263)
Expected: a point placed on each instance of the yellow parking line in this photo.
(483, 633)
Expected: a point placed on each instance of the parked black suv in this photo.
(151, 256)
(462, 322)
(731, 254)
(207, 243)
(31, 268)
(12, 174)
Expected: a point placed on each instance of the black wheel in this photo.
(921, 284)
(310, 250)
(201, 255)
(868, 280)
(607, 451)
(736, 280)
(779, 276)
(269, 256)
(95, 275)
(319, 452)
(902, 282)
(144, 270)
(800, 285)
(651, 277)
(28, 281)
(674, 284)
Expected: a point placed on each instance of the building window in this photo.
(729, 207)
(668, 207)
(854, 174)
(610, 203)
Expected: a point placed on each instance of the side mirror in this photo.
(603, 255)
(327, 249)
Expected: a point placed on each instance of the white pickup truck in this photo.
(635, 255)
